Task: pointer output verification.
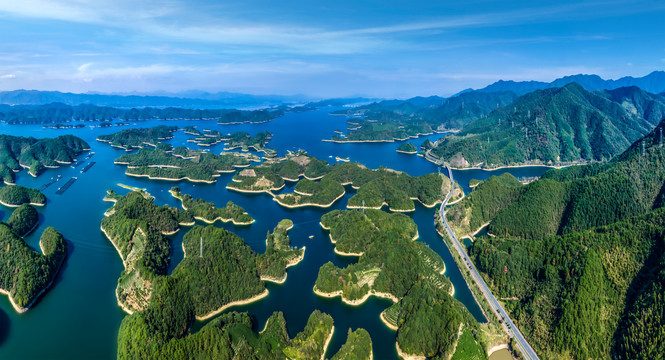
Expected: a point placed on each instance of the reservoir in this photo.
(78, 317)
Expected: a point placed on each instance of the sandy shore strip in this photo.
(170, 179)
(325, 345)
(233, 303)
(277, 199)
(496, 348)
(387, 323)
(406, 356)
(293, 262)
(407, 152)
(357, 302)
(14, 206)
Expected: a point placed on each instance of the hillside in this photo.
(553, 126)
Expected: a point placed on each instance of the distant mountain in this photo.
(653, 83)
(203, 99)
(555, 126)
(340, 102)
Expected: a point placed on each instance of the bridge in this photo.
(498, 310)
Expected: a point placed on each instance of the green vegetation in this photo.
(279, 255)
(15, 195)
(375, 187)
(229, 336)
(192, 130)
(18, 152)
(588, 294)
(59, 113)
(218, 268)
(468, 347)
(207, 211)
(197, 166)
(138, 138)
(483, 204)
(358, 346)
(553, 126)
(25, 273)
(240, 140)
(254, 117)
(399, 120)
(23, 220)
(407, 148)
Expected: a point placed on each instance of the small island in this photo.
(24, 273)
(179, 164)
(130, 139)
(249, 117)
(163, 332)
(17, 195)
(23, 220)
(192, 130)
(207, 212)
(36, 155)
(407, 148)
(237, 140)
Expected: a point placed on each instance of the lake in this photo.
(78, 318)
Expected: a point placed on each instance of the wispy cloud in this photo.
(8, 76)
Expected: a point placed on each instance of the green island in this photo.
(394, 265)
(17, 152)
(25, 274)
(129, 139)
(236, 140)
(376, 188)
(17, 195)
(556, 126)
(163, 332)
(219, 270)
(179, 164)
(249, 117)
(358, 346)
(23, 220)
(207, 212)
(396, 120)
(192, 130)
(407, 148)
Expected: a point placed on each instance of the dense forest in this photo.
(129, 139)
(555, 126)
(15, 195)
(208, 212)
(582, 197)
(23, 220)
(401, 119)
(61, 113)
(241, 139)
(358, 346)
(147, 335)
(17, 152)
(279, 255)
(392, 264)
(165, 164)
(25, 273)
(586, 294)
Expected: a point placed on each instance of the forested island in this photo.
(407, 148)
(557, 126)
(323, 184)
(129, 139)
(578, 254)
(61, 113)
(207, 212)
(25, 274)
(241, 140)
(394, 265)
(180, 164)
(17, 195)
(36, 155)
(162, 332)
(220, 270)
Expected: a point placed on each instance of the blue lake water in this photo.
(78, 318)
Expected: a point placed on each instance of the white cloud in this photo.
(8, 76)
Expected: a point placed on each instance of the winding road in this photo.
(507, 323)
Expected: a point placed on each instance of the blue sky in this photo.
(321, 48)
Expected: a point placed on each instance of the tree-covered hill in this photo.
(16, 195)
(587, 294)
(138, 138)
(18, 152)
(553, 126)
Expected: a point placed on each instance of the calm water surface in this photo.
(78, 318)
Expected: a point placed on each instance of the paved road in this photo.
(507, 323)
